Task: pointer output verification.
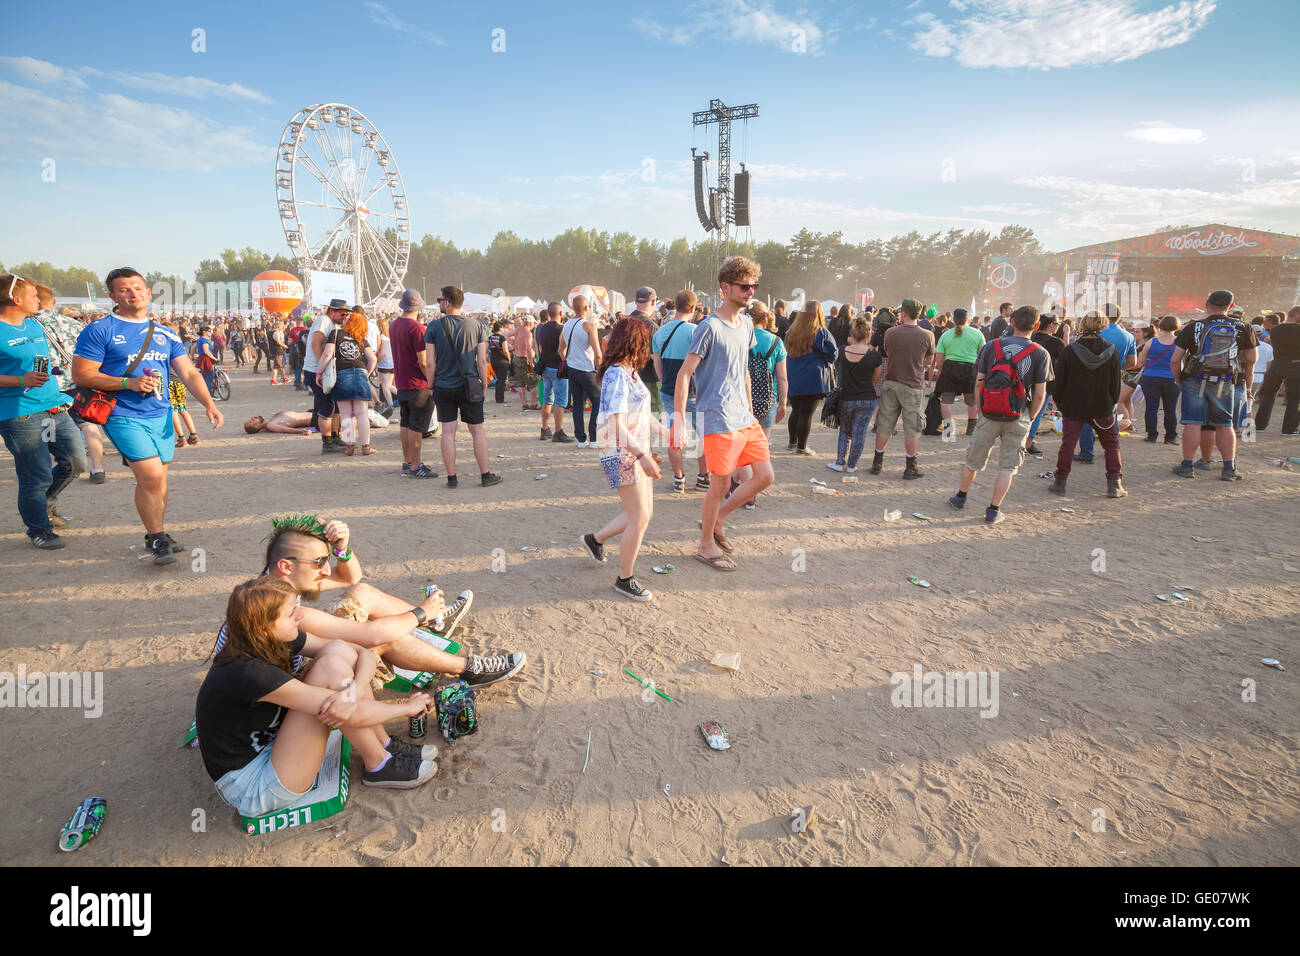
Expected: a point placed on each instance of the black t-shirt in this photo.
(548, 344)
(1191, 335)
(648, 373)
(497, 354)
(1285, 340)
(855, 377)
(234, 724)
(350, 353)
(782, 326)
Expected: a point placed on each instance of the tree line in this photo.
(942, 267)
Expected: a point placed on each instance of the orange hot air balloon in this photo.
(276, 291)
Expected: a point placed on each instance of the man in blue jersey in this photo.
(128, 355)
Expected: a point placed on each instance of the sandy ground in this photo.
(1113, 706)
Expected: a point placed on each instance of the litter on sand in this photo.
(850, 479)
(892, 515)
(919, 582)
(823, 490)
(1204, 540)
(1290, 567)
(920, 517)
(588, 757)
(1162, 597)
(1272, 662)
(714, 736)
(1068, 511)
(664, 568)
(529, 547)
(1046, 474)
(816, 481)
(729, 662)
(539, 477)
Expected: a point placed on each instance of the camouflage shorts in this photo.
(350, 609)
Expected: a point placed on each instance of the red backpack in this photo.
(1004, 390)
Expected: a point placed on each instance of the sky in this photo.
(146, 134)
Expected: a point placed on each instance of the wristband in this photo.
(421, 615)
(125, 386)
(343, 555)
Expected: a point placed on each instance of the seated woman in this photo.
(285, 423)
(262, 731)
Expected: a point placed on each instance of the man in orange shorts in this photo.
(732, 437)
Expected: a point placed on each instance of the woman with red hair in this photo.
(356, 360)
(623, 428)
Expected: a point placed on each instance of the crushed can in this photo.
(457, 713)
(84, 825)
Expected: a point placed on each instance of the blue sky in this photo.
(1085, 119)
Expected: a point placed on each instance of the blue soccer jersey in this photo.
(114, 342)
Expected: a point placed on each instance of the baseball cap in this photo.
(411, 300)
(645, 294)
(1220, 298)
(911, 307)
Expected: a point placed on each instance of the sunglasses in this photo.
(321, 563)
(13, 282)
(747, 286)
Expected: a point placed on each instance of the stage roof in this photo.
(1210, 240)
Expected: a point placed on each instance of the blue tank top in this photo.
(1157, 364)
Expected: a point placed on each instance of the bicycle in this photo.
(220, 385)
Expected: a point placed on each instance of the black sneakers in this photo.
(98, 477)
(424, 471)
(488, 479)
(562, 438)
(481, 671)
(456, 610)
(401, 772)
(47, 541)
(161, 547)
(546, 434)
(630, 589)
(400, 748)
(453, 481)
(594, 547)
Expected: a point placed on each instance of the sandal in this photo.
(718, 564)
(192, 440)
(350, 450)
(719, 538)
(367, 450)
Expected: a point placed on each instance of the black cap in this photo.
(1220, 298)
(339, 304)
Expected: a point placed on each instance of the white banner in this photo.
(331, 285)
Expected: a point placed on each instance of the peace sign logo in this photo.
(1002, 275)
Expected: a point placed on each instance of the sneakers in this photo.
(834, 466)
(1115, 488)
(400, 748)
(546, 434)
(679, 484)
(701, 482)
(1032, 449)
(631, 590)
(481, 671)
(994, 517)
(401, 772)
(424, 471)
(328, 447)
(1184, 471)
(751, 504)
(877, 462)
(594, 547)
(456, 610)
(957, 502)
(453, 481)
(561, 438)
(970, 425)
(47, 541)
(488, 479)
(161, 547)
(806, 452)
(1152, 439)
(406, 469)
(911, 472)
(98, 477)
(1173, 441)
(1229, 474)
(1203, 465)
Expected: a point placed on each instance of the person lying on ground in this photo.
(284, 423)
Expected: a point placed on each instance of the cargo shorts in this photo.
(898, 401)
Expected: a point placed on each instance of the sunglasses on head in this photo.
(13, 282)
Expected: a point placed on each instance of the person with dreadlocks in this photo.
(263, 723)
(299, 552)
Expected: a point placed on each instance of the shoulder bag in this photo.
(474, 391)
(96, 406)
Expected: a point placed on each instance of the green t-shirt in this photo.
(960, 348)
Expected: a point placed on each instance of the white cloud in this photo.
(768, 173)
(751, 21)
(1106, 209)
(381, 15)
(1009, 209)
(108, 129)
(1157, 132)
(1046, 34)
(41, 72)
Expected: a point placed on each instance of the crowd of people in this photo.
(670, 375)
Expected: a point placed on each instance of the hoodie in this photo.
(1088, 378)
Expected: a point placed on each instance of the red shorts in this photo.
(727, 451)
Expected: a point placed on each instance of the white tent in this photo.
(524, 304)
(478, 302)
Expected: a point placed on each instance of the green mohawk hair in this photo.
(307, 524)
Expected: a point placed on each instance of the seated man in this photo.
(283, 423)
(299, 552)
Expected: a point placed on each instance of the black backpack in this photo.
(760, 381)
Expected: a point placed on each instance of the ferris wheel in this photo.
(342, 201)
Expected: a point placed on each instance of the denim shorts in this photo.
(1206, 402)
(555, 391)
(255, 788)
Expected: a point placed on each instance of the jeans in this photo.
(1154, 392)
(1279, 372)
(1033, 426)
(1087, 440)
(583, 386)
(854, 418)
(1106, 428)
(555, 390)
(297, 376)
(501, 370)
(800, 421)
(37, 482)
(207, 379)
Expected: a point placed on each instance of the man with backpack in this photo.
(1210, 354)
(668, 349)
(1011, 377)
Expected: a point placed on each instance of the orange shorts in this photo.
(727, 451)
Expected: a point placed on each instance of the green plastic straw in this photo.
(647, 684)
(588, 757)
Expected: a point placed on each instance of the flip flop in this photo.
(719, 539)
(713, 562)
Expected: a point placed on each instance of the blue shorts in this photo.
(1207, 402)
(555, 391)
(141, 438)
(255, 788)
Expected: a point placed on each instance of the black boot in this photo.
(970, 425)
